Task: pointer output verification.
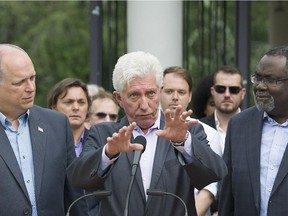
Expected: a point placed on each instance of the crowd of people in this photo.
(224, 161)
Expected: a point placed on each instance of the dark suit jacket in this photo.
(53, 151)
(209, 120)
(240, 193)
(170, 174)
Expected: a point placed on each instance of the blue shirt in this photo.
(273, 145)
(20, 141)
(79, 146)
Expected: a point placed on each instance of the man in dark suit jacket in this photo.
(36, 145)
(256, 150)
(227, 92)
(176, 159)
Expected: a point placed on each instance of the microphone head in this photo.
(141, 140)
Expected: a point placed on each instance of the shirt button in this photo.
(26, 211)
(28, 181)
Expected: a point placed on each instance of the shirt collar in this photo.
(267, 119)
(156, 124)
(217, 123)
(22, 118)
(80, 141)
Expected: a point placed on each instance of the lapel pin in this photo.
(40, 129)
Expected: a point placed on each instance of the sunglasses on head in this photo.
(232, 89)
(102, 115)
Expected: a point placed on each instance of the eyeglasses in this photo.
(222, 89)
(103, 115)
(268, 81)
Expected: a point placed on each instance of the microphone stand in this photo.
(162, 193)
(141, 140)
(134, 169)
(96, 193)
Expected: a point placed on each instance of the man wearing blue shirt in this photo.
(36, 145)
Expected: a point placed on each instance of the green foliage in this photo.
(54, 34)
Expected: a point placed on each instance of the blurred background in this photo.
(84, 39)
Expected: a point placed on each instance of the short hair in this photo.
(135, 64)
(228, 69)
(201, 95)
(103, 95)
(182, 72)
(62, 87)
(94, 89)
(279, 51)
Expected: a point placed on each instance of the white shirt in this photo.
(221, 132)
(214, 142)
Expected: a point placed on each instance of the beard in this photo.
(266, 106)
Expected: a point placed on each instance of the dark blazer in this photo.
(170, 173)
(240, 193)
(53, 150)
(209, 120)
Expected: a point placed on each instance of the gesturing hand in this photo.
(120, 142)
(176, 127)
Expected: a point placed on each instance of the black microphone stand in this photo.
(96, 193)
(141, 140)
(162, 193)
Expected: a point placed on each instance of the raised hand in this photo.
(120, 142)
(176, 127)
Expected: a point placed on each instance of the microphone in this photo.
(162, 193)
(137, 156)
(103, 193)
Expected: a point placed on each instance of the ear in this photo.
(117, 96)
(190, 96)
(243, 93)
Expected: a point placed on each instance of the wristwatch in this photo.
(180, 143)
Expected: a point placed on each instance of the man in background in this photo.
(177, 90)
(228, 94)
(104, 108)
(70, 96)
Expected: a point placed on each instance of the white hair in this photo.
(135, 64)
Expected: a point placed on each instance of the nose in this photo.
(175, 95)
(144, 103)
(75, 105)
(227, 92)
(260, 85)
(30, 85)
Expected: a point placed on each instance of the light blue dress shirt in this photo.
(273, 144)
(79, 146)
(20, 141)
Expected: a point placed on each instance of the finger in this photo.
(167, 115)
(130, 129)
(136, 147)
(178, 111)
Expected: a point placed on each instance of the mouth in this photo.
(74, 116)
(29, 99)
(173, 106)
(262, 96)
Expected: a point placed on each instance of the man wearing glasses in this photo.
(104, 108)
(228, 93)
(256, 150)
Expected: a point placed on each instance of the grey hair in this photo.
(133, 65)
